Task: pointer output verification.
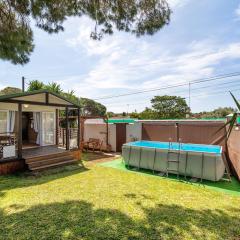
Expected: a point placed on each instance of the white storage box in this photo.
(9, 151)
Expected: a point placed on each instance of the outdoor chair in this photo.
(93, 144)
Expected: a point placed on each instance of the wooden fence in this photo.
(234, 151)
(186, 132)
(197, 132)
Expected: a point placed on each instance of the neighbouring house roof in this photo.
(40, 97)
(110, 121)
(124, 120)
(186, 120)
(238, 118)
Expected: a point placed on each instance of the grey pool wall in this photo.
(209, 166)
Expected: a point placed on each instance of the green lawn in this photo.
(100, 202)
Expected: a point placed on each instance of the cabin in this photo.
(30, 134)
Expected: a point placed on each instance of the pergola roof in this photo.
(40, 97)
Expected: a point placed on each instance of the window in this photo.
(3, 121)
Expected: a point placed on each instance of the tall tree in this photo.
(148, 113)
(35, 85)
(138, 17)
(88, 106)
(54, 87)
(92, 108)
(10, 90)
(220, 112)
(167, 107)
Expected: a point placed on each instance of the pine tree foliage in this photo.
(138, 17)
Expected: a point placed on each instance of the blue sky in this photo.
(202, 40)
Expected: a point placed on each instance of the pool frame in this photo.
(202, 165)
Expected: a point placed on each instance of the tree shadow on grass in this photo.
(80, 220)
(21, 180)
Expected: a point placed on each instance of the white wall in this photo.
(112, 136)
(98, 131)
(95, 131)
(134, 131)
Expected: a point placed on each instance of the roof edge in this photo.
(24, 94)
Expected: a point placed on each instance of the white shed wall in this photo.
(95, 131)
(112, 136)
(134, 132)
(99, 131)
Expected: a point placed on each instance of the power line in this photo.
(220, 85)
(173, 86)
(195, 96)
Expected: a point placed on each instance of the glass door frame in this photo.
(6, 111)
(54, 129)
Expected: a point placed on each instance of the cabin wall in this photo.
(29, 108)
(32, 135)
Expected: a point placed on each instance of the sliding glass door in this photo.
(3, 122)
(48, 128)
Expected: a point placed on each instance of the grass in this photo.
(232, 188)
(98, 202)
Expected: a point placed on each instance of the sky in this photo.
(201, 41)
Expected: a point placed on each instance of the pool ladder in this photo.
(169, 160)
(178, 153)
(227, 173)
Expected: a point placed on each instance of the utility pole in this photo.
(189, 95)
(23, 84)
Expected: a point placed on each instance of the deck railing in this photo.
(8, 145)
(73, 136)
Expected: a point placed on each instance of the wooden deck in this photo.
(41, 158)
(41, 151)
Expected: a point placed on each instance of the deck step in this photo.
(43, 162)
(48, 156)
(50, 161)
(54, 165)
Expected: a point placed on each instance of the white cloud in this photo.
(237, 12)
(123, 63)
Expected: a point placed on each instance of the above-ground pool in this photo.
(192, 160)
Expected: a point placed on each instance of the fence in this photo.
(197, 132)
(234, 150)
(186, 132)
